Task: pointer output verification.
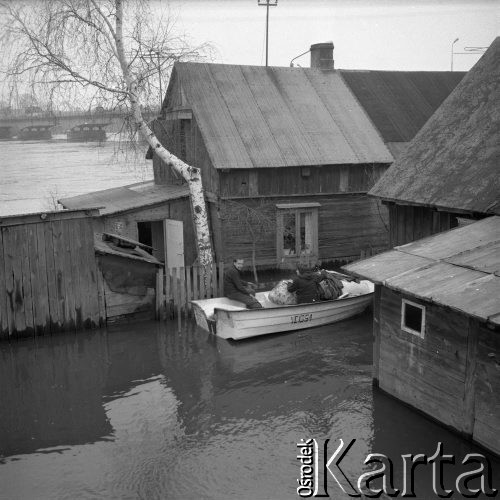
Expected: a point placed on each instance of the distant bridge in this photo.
(64, 120)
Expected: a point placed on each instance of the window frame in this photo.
(404, 327)
(283, 209)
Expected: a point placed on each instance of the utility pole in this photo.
(267, 4)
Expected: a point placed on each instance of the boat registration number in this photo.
(301, 318)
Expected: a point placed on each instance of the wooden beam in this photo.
(36, 218)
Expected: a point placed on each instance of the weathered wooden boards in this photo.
(184, 284)
(48, 274)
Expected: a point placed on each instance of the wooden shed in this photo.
(158, 216)
(437, 326)
(449, 173)
(48, 274)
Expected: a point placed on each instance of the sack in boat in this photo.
(281, 296)
(330, 288)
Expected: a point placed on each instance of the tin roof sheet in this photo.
(458, 269)
(124, 198)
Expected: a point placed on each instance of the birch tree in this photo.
(102, 50)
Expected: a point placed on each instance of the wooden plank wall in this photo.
(410, 223)
(48, 275)
(300, 180)
(347, 225)
(452, 374)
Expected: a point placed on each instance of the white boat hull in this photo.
(230, 319)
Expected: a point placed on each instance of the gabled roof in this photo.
(459, 269)
(400, 102)
(453, 162)
(121, 199)
(256, 117)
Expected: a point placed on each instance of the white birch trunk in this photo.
(191, 175)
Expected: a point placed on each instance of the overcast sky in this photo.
(368, 34)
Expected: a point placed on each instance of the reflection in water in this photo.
(145, 412)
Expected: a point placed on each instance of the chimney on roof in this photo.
(322, 55)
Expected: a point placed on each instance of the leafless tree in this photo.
(100, 51)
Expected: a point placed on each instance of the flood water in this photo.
(144, 411)
(34, 174)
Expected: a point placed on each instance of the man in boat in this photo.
(306, 285)
(237, 289)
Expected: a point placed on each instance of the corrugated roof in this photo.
(459, 269)
(453, 162)
(400, 102)
(121, 199)
(255, 117)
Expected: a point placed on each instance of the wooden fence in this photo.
(181, 285)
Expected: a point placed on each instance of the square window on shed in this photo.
(413, 318)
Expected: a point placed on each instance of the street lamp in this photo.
(454, 42)
(267, 4)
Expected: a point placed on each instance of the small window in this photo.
(413, 318)
(297, 230)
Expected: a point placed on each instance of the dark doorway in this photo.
(144, 233)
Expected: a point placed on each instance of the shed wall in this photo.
(410, 223)
(430, 373)
(487, 389)
(48, 276)
(125, 223)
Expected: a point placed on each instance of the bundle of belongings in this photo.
(330, 287)
(281, 296)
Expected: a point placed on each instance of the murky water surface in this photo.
(35, 174)
(142, 411)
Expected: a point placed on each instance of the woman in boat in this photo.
(237, 289)
(307, 285)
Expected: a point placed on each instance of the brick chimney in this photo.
(322, 55)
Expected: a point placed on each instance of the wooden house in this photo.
(449, 173)
(297, 145)
(287, 156)
(437, 326)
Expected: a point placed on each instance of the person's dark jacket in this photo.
(306, 287)
(233, 283)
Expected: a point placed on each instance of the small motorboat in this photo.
(230, 319)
